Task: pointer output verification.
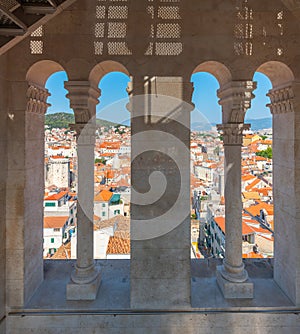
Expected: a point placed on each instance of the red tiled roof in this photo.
(103, 196)
(63, 252)
(248, 177)
(118, 245)
(245, 228)
(253, 184)
(56, 197)
(252, 255)
(254, 210)
(55, 221)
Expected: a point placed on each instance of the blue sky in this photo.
(113, 91)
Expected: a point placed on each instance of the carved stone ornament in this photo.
(281, 100)
(235, 98)
(83, 99)
(233, 133)
(37, 99)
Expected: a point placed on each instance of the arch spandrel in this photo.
(40, 71)
(217, 69)
(279, 73)
(105, 67)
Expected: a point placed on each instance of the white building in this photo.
(57, 172)
(57, 230)
(59, 204)
(108, 205)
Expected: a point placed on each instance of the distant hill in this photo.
(201, 126)
(62, 120)
(260, 124)
(256, 124)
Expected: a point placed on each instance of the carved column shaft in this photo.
(233, 265)
(85, 279)
(235, 98)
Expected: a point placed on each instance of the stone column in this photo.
(25, 191)
(285, 106)
(231, 276)
(160, 224)
(85, 279)
(235, 99)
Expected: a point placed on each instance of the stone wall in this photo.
(3, 175)
(286, 198)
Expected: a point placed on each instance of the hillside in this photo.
(260, 124)
(62, 120)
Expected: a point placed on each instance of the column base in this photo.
(232, 290)
(86, 291)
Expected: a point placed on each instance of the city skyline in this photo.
(114, 97)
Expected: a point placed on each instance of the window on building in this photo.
(103, 214)
(116, 212)
(52, 240)
(103, 205)
(56, 229)
(50, 204)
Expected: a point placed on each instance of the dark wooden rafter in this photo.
(52, 3)
(13, 15)
(16, 26)
(34, 7)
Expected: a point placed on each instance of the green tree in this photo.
(100, 160)
(267, 153)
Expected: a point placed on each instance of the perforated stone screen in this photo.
(111, 27)
(36, 41)
(36, 47)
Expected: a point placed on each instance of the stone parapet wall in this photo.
(157, 323)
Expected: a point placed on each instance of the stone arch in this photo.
(278, 73)
(217, 69)
(40, 71)
(103, 68)
(36, 77)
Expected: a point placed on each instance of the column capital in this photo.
(281, 100)
(37, 99)
(235, 99)
(187, 94)
(83, 99)
(233, 133)
(85, 133)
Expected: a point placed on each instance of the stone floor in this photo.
(114, 293)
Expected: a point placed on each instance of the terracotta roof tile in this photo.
(103, 196)
(57, 196)
(55, 221)
(118, 245)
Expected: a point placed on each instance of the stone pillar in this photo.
(235, 99)
(25, 191)
(231, 276)
(284, 106)
(160, 227)
(85, 279)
